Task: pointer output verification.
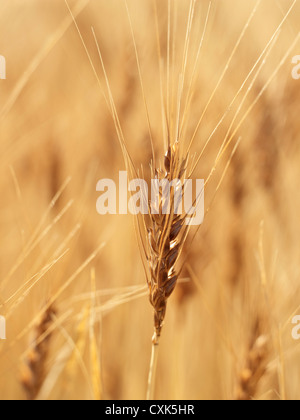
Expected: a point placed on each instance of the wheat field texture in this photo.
(95, 87)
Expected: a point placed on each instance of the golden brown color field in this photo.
(72, 284)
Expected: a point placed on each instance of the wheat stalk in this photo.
(33, 368)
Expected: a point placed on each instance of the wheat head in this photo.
(33, 368)
(166, 236)
(254, 369)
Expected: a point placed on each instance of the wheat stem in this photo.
(152, 370)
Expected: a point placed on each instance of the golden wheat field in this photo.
(95, 87)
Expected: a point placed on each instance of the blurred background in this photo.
(72, 283)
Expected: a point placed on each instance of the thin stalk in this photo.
(152, 372)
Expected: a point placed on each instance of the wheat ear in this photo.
(254, 370)
(33, 368)
(166, 236)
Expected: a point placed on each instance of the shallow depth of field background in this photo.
(56, 130)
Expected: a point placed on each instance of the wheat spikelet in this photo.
(166, 236)
(33, 368)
